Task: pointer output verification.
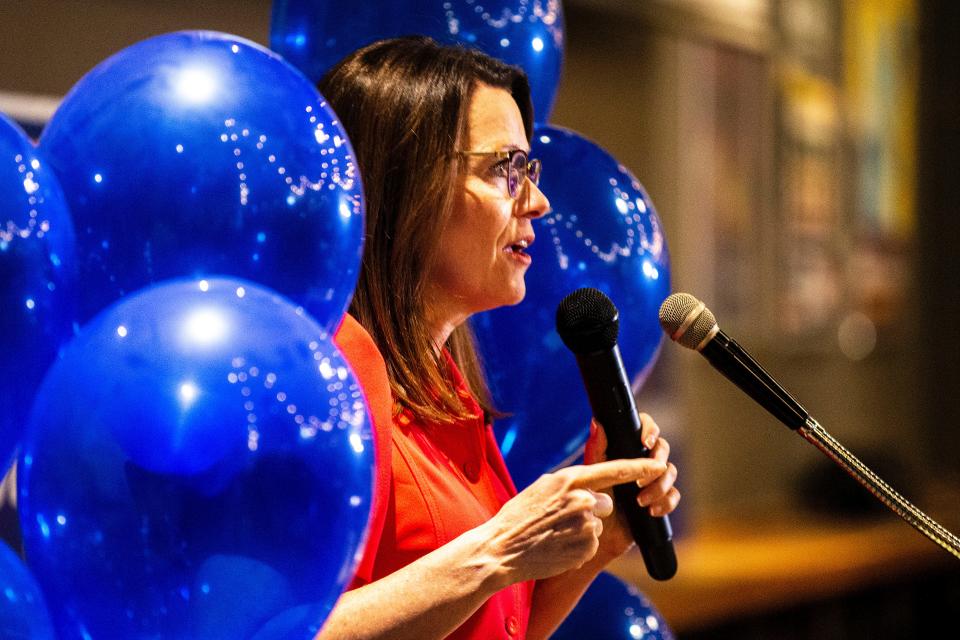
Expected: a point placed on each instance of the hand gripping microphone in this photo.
(688, 322)
(588, 323)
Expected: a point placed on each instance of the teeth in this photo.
(523, 244)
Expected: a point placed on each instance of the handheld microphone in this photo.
(687, 321)
(588, 323)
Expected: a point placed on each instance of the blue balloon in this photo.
(602, 232)
(315, 34)
(37, 278)
(198, 464)
(613, 610)
(23, 612)
(200, 153)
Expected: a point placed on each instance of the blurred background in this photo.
(802, 157)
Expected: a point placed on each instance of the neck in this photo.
(442, 320)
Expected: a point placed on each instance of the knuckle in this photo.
(582, 499)
(663, 444)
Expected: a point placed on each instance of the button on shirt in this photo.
(442, 480)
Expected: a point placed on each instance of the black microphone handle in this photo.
(615, 410)
(732, 360)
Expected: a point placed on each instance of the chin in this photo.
(517, 297)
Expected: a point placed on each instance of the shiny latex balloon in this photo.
(613, 610)
(37, 278)
(602, 232)
(315, 34)
(23, 613)
(198, 464)
(195, 153)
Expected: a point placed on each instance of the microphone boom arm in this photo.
(813, 433)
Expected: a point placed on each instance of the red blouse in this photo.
(438, 482)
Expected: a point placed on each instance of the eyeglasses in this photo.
(519, 167)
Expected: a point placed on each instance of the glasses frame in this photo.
(531, 170)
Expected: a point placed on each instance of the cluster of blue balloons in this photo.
(198, 460)
(174, 257)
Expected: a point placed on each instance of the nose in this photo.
(533, 202)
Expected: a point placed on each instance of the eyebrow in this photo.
(507, 148)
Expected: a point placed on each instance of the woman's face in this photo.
(482, 259)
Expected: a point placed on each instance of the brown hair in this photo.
(404, 105)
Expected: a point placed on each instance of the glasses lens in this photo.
(518, 172)
(533, 171)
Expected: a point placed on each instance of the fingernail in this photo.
(650, 441)
(641, 501)
(656, 511)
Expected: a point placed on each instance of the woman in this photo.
(441, 136)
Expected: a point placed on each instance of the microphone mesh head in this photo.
(588, 321)
(681, 309)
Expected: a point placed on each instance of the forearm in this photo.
(428, 598)
(554, 598)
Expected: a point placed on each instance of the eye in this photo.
(501, 169)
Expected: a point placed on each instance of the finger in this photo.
(598, 527)
(606, 474)
(604, 505)
(649, 431)
(661, 450)
(659, 487)
(666, 504)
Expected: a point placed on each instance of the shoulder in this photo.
(368, 365)
(358, 347)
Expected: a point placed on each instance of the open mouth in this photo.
(518, 251)
(518, 247)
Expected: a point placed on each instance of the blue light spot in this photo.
(105, 244)
(61, 519)
(508, 441)
(30, 304)
(255, 257)
(261, 237)
(44, 527)
(205, 588)
(11, 594)
(299, 40)
(55, 260)
(97, 178)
